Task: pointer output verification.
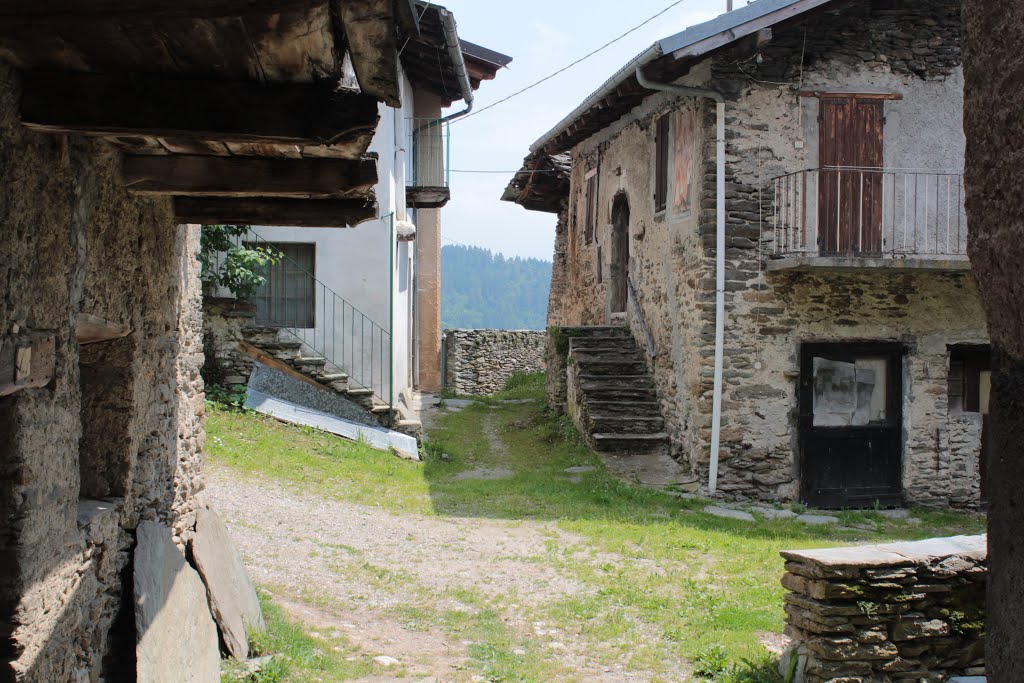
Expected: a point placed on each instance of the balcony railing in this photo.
(429, 146)
(839, 211)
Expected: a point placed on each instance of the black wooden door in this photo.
(850, 179)
(851, 425)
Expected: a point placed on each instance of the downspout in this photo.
(391, 325)
(716, 404)
(451, 39)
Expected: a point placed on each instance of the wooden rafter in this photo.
(90, 329)
(205, 176)
(69, 11)
(308, 213)
(100, 104)
(372, 45)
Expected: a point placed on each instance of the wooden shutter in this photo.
(661, 163)
(591, 208)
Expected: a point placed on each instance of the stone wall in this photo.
(76, 242)
(913, 51)
(479, 362)
(224, 318)
(894, 612)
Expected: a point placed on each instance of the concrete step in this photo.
(613, 368)
(630, 443)
(623, 408)
(626, 424)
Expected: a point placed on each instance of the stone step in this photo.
(595, 331)
(626, 424)
(621, 395)
(281, 346)
(335, 377)
(309, 362)
(630, 443)
(612, 368)
(623, 408)
(601, 342)
(591, 383)
(609, 353)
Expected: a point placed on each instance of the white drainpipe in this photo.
(716, 403)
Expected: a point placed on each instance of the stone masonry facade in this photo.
(480, 362)
(912, 49)
(117, 437)
(893, 612)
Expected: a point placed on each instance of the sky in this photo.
(541, 36)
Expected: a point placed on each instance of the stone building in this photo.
(122, 126)
(772, 201)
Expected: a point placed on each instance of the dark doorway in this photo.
(620, 253)
(850, 179)
(851, 424)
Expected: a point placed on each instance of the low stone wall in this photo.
(224, 318)
(479, 362)
(893, 612)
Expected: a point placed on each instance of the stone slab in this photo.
(233, 601)
(915, 552)
(580, 469)
(376, 437)
(774, 513)
(817, 519)
(728, 513)
(176, 639)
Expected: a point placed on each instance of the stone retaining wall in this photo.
(893, 612)
(224, 318)
(481, 361)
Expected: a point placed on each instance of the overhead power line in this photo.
(569, 66)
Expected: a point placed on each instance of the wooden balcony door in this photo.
(850, 180)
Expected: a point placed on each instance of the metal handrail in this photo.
(883, 212)
(346, 338)
(635, 300)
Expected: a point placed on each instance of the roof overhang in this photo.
(251, 107)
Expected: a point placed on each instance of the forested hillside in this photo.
(481, 289)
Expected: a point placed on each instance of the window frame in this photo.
(266, 292)
(590, 191)
(662, 142)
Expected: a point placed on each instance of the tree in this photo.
(227, 261)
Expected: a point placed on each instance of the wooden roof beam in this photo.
(204, 176)
(373, 46)
(51, 11)
(222, 111)
(305, 213)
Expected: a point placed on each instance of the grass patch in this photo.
(667, 588)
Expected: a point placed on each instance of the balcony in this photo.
(840, 218)
(426, 184)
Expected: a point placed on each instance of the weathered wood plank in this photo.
(203, 176)
(231, 111)
(90, 329)
(370, 28)
(271, 362)
(27, 361)
(305, 213)
(70, 11)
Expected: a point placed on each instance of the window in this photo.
(288, 297)
(590, 200)
(970, 378)
(661, 142)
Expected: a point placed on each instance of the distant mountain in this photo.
(484, 290)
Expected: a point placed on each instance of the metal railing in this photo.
(840, 211)
(429, 152)
(327, 325)
(634, 299)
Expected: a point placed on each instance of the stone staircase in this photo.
(289, 351)
(611, 394)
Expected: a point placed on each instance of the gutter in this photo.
(716, 403)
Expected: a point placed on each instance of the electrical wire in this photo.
(569, 66)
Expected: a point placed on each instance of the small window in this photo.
(600, 273)
(288, 297)
(850, 394)
(590, 200)
(661, 143)
(970, 379)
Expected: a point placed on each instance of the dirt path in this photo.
(367, 573)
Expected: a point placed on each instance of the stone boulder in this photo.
(232, 596)
(176, 638)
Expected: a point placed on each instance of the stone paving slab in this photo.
(974, 547)
(233, 601)
(817, 519)
(729, 513)
(176, 637)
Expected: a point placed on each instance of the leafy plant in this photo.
(228, 262)
(227, 397)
